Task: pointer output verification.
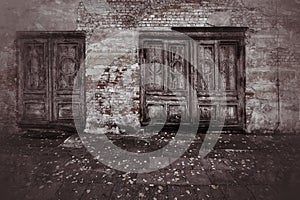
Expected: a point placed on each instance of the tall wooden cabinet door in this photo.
(165, 75)
(231, 79)
(219, 82)
(33, 87)
(68, 80)
(205, 80)
(152, 82)
(177, 78)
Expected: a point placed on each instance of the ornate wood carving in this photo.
(218, 75)
(48, 63)
(230, 113)
(206, 68)
(67, 65)
(227, 67)
(177, 113)
(207, 113)
(34, 60)
(156, 113)
(177, 71)
(153, 55)
(35, 110)
(160, 84)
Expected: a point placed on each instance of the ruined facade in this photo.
(112, 70)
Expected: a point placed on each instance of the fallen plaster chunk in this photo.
(72, 142)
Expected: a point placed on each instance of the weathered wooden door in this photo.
(50, 83)
(219, 82)
(195, 79)
(165, 76)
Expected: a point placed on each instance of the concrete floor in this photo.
(240, 167)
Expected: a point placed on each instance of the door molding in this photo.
(222, 39)
(41, 101)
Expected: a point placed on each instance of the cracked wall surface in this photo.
(112, 72)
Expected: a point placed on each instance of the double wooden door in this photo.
(51, 83)
(188, 81)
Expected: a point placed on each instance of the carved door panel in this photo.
(177, 77)
(205, 76)
(212, 64)
(68, 55)
(228, 79)
(33, 85)
(218, 91)
(165, 73)
(48, 64)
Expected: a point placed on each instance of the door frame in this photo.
(235, 34)
(47, 36)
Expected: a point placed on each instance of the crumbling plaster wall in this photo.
(29, 15)
(113, 80)
(272, 54)
(272, 44)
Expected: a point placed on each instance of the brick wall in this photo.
(112, 80)
(272, 44)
